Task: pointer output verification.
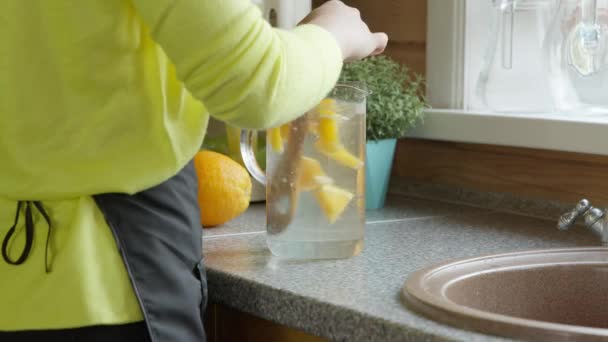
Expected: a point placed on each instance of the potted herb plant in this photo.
(396, 104)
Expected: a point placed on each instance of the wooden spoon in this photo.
(283, 191)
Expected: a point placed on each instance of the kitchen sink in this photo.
(547, 295)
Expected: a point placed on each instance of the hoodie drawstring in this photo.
(29, 234)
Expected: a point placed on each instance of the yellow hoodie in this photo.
(105, 96)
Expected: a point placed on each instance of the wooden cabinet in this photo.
(224, 324)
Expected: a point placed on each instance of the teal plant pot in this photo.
(378, 165)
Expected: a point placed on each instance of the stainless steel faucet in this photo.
(595, 219)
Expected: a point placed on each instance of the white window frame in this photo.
(450, 85)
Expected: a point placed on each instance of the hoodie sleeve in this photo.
(244, 71)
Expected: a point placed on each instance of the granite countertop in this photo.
(358, 299)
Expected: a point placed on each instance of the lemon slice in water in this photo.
(333, 200)
(312, 175)
(340, 155)
(275, 139)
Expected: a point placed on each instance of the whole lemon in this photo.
(224, 188)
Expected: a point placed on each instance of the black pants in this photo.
(135, 332)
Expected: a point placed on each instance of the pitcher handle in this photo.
(247, 143)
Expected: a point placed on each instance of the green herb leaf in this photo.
(396, 103)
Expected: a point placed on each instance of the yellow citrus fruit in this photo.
(224, 188)
(340, 155)
(329, 135)
(275, 139)
(327, 107)
(311, 174)
(285, 131)
(333, 200)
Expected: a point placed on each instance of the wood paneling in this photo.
(404, 22)
(411, 54)
(531, 173)
(224, 324)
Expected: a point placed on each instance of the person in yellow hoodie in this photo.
(103, 104)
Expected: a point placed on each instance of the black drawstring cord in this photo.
(29, 234)
(45, 215)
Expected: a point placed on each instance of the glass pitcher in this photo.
(576, 50)
(513, 77)
(315, 178)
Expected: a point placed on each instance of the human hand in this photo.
(352, 34)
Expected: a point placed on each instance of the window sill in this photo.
(543, 131)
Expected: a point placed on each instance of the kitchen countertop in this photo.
(358, 299)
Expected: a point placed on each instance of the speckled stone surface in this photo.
(397, 208)
(358, 299)
(254, 221)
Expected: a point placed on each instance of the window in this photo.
(457, 42)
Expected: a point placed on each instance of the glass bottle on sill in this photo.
(514, 78)
(576, 49)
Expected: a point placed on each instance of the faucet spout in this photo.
(595, 219)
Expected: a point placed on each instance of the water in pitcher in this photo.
(330, 214)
